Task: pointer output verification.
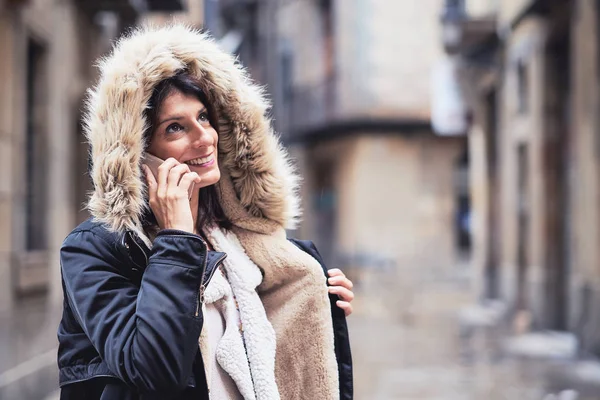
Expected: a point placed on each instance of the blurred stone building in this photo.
(48, 50)
(530, 70)
(350, 83)
(380, 188)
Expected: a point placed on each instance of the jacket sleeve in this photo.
(148, 336)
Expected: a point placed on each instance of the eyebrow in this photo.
(179, 117)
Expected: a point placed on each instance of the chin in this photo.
(210, 177)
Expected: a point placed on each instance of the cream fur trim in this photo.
(257, 165)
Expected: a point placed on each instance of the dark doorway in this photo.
(555, 155)
(463, 221)
(492, 289)
(36, 168)
(324, 201)
(523, 224)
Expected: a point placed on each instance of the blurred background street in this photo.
(450, 155)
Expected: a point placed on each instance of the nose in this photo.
(201, 136)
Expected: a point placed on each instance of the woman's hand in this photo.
(341, 286)
(168, 195)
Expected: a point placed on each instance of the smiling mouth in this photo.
(202, 161)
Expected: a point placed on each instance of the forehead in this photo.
(177, 102)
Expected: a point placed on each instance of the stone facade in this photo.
(49, 48)
(583, 284)
(545, 79)
(381, 195)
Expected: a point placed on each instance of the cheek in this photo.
(165, 149)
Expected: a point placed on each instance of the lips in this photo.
(201, 160)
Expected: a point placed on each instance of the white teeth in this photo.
(199, 161)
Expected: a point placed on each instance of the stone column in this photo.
(7, 90)
(64, 93)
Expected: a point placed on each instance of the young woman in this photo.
(201, 297)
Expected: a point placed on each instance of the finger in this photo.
(163, 174)
(347, 307)
(340, 281)
(150, 180)
(345, 294)
(187, 180)
(175, 175)
(335, 272)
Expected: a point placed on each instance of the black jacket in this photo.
(132, 316)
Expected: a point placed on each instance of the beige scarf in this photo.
(295, 297)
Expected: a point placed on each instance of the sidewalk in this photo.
(28, 347)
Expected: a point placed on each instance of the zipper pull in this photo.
(202, 289)
(200, 299)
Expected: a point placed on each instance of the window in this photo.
(522, 87)
(36, 176)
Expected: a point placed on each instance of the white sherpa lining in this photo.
(258, 334)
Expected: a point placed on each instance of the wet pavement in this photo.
(410, 342)
(28, 351)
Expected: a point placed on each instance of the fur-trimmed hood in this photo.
(255, 168)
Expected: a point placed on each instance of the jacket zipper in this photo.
(200, 297)
(204, 283)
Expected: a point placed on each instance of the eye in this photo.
(203, 117)
(175, 127)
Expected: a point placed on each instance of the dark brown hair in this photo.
(209, 208)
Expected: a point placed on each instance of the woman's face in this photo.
(184, 133)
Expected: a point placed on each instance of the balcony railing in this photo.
(317, 112)
(311, 107)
